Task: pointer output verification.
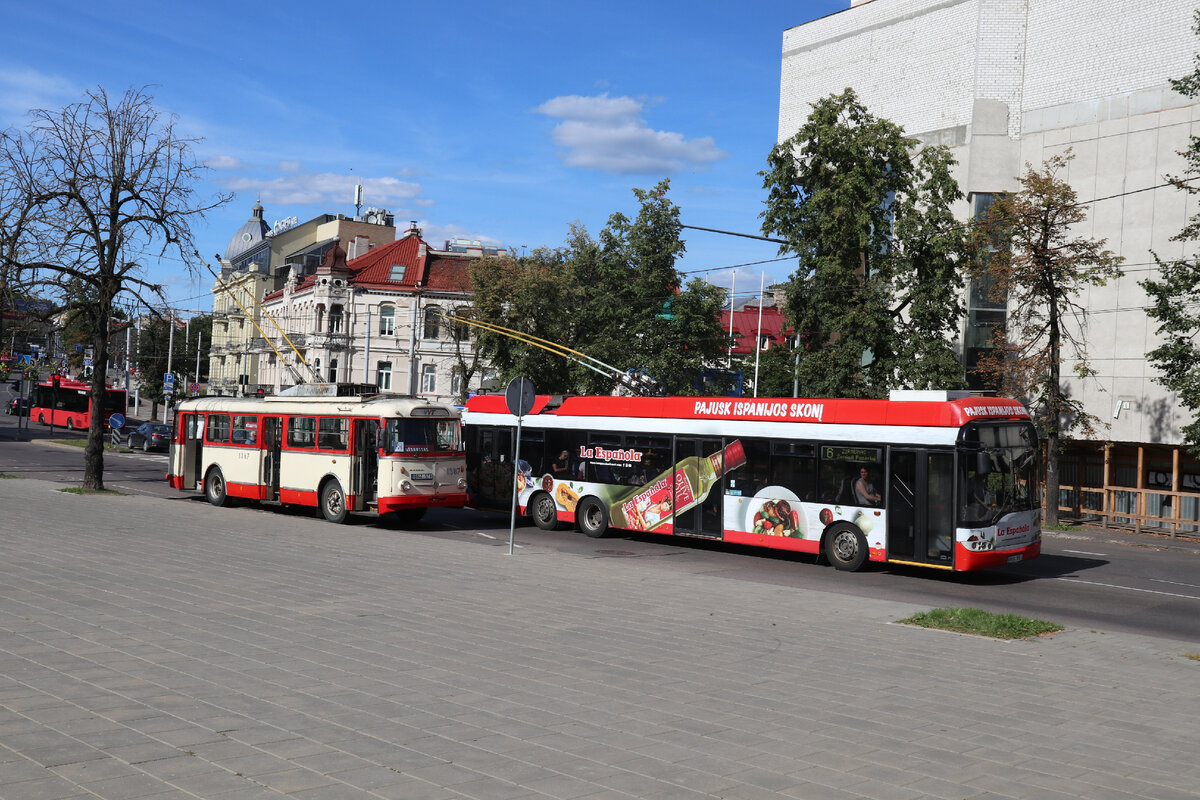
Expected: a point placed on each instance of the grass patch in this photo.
(982, 623)
(6, 475)
(1061, 526)
(81, 490)
(1192, 656)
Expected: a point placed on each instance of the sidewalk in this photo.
(166, 649)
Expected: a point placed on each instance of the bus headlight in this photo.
(405, 486)
(462, 483)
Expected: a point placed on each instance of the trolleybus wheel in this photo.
(846, 547)
(593, 519)
(215, 489)
(70, 424)
(41, 419)
(544, 511)
(333, 503)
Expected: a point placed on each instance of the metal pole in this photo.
(170, 352)
(512, 522)
(137, 385)
(199, 339)
(367, 350)
(732, 287)
(758, 333)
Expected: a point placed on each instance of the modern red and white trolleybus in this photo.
(389, 454)
(925, 478)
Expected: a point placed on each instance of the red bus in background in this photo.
(935, 479)
(70, 405)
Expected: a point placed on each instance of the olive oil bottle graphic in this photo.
(674, 491)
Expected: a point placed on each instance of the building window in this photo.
(387, 320)
(333, 365)
(456, 383)
(335, 319)
(429, 379)
(397, 273)
(383, 375)
(764, 341)
(433, 322)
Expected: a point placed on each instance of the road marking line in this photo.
(1176, 583)
(1130, 588)
(1084, 553)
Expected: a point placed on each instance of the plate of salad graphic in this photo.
(775, 511)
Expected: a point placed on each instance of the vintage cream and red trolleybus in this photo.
(926, 478)
(394, 455)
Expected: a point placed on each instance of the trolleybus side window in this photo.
(245, 429)
(794, 465)
(302, 432)
(852, 475)
(333, 433)
(218, 429)
(604, 468)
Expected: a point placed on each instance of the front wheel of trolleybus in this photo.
(333, 503)
(846, 547)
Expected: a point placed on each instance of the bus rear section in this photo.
(928, 480)
(69, 405)
(337, 455)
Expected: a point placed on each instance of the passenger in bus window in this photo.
(864, 490)
(561, 466)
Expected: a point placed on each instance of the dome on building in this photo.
(251, 234)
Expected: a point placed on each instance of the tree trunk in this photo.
(1054, 404)
(93, 453)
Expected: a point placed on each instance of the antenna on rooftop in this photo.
(358, 198)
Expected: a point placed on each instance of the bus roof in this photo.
(377, 406)
(953, 413)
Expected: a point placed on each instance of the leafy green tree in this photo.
(110, 184)
(876, 296)
(618, 299)
(1041, 268)
(1173, 294)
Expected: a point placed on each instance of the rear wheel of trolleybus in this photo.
(215, 489)
(333, 502)
(593, 519)
(544, 511)
(845, 547)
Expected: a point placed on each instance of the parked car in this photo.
(19, 406)
(151, 436)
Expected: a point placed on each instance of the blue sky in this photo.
(501, 122)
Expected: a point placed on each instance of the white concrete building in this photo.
(1007, 83)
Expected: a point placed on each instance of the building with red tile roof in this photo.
(380, 318)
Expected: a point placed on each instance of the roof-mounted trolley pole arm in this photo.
(296, 376)
(634, 383)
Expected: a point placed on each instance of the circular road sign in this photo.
(116, 421)
(519, 396)
(194, 388)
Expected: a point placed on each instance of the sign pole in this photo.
(519, 398)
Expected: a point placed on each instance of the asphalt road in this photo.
(1088, 580)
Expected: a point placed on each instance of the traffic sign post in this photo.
(519, 398)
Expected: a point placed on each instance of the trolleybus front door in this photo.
(704, 518)
(920, 505)
(271, 444)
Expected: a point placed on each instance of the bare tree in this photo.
(112, 186)
(1041, 268)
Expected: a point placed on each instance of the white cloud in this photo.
(325, 188)
(289, 166)
(609, 134)
(222, 162)
(25, 89)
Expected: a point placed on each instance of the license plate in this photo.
(422, 476)
(1014, 559)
